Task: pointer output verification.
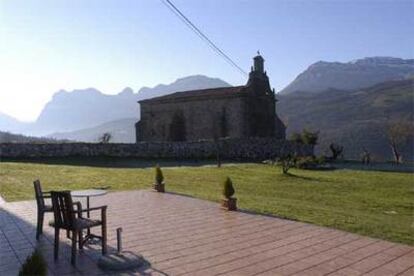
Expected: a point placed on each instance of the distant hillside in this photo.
(361, 73)
(8, 123)
(79, 109)
(7, 137)
(122, 131)
(354, 119)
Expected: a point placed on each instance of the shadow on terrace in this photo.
(18, 241)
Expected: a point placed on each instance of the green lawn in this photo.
(376, 204)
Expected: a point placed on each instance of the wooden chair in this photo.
(42, 208)
(67, 218)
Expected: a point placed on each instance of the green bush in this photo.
(35, 264)
(306, 137)
(309, 162)
(296, 137)
(321, 160)
(159, 177)
(228, 190)
(310, 138)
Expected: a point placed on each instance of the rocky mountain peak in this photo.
(376, 61)
(127, 91)
(356, 74)
(86, 108)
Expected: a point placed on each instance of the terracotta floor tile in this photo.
(181, 235)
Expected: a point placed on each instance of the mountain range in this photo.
(342, 100)
(352, 75)
(81, 109)
(7, 137)
(356, 119)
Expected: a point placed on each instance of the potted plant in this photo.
(35, 264)
(159, 184)
(228, 202)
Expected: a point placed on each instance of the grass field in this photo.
(376, 204)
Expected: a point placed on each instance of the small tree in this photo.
(228, 190)
(287, 161)
(310, 138)
(296, 137)
(398, 134)
(159, 184)
(336, 150)
(228, 202)
(159, 177)
(306, 137)
(34, 265)
(366, 157)
(105, 138)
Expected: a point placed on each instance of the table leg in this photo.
(88, 213)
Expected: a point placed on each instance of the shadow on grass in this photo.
(288, 174)
(406, 167)
(315, 179)
(112, 162)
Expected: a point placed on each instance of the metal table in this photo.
(88, 193)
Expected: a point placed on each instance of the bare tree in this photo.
(398, 134)
(366, 157)
(105, 138)
(336, 150)
(287, 159)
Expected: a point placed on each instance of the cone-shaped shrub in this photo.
(228, 190)
(35, 264)
(159, 178)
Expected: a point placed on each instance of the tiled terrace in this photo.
(180, 235)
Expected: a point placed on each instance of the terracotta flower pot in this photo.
(230, 204)
(159, 187)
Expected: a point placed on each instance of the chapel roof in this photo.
(210, 92)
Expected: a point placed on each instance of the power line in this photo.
(201, 35)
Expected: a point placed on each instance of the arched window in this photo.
(223, 123)
(177, 127)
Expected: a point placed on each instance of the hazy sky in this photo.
(50, 45)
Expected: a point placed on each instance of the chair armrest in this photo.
(103, 212)
(78, 208)
(78, 205)
(46, 194)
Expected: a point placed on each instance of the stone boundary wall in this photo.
(230, 149)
